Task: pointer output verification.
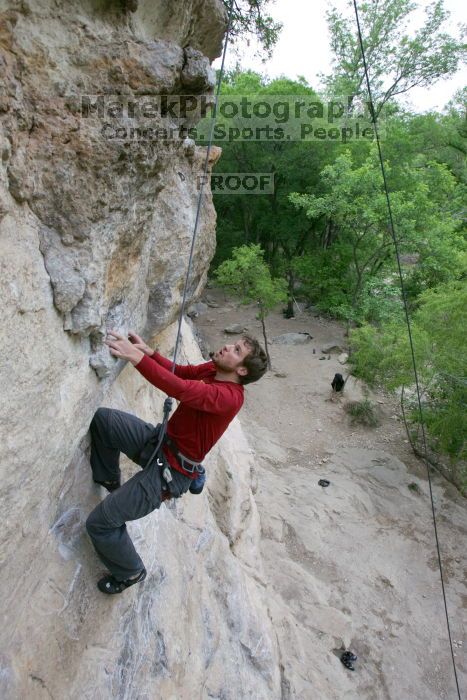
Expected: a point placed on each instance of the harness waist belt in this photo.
(188, 465)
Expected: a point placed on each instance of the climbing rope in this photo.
(168, 401)
(409, 328)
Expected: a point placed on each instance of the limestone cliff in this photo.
(95, 233)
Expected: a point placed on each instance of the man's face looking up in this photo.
(231, 357)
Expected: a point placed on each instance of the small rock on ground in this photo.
(235, 329)
(292, 339)
(196, 309)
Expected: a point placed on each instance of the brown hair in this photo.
(256, 361)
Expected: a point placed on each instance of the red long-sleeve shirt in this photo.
(206, 406)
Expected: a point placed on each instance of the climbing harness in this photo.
(188, 465)
(406, 311)
(168, 401)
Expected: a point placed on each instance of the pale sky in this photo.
(303, 49)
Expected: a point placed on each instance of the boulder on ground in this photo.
(197, 309)
(235, 329)
(292, 339)
(343, 357)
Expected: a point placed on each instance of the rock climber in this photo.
(210, 396)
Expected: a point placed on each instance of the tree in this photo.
(438, 333)
(440, 137)
(247, 276)
(250, 18)
(398, 59)
(270, 220)
(359, 245)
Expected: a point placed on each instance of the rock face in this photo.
(94, 234)
(198, 622)
(109, 212)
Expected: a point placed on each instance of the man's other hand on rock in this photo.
(139, 343)
(123, 348)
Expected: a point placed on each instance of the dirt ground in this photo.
(352, 565)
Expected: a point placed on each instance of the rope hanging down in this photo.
(168, 400)
(406, 311)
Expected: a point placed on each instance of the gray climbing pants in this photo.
(113, 432)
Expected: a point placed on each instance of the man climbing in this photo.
(210, 396)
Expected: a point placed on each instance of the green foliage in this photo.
(358, 264)
(443, 317)
(325, 228)
(438, 333)
(250, 19)
(436, 137)
(399, 58)
(322, 275)
(283, 231)
(362, 412)
(353, 208)
(381, 301)
(247, 276)
(330, 239)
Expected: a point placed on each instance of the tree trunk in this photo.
(246, 223)
(290, 291)
(261, 316)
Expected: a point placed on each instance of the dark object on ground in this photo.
(323, 482)
(109, 584)
(109, 485)
(347, 659)
(288, 313)
(338, 382)
(197, 485)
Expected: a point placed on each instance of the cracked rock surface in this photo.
(113, 215)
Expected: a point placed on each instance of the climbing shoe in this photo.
(109, 584)
(109, 485)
